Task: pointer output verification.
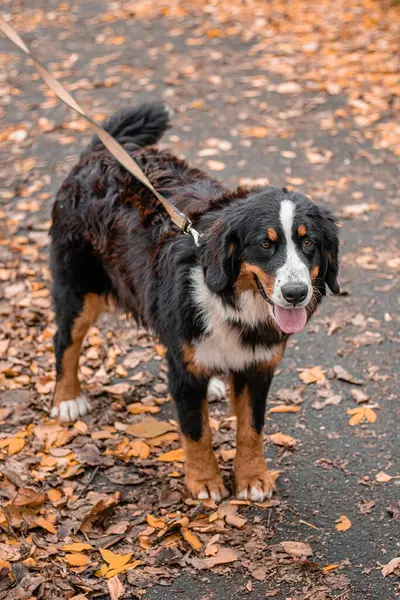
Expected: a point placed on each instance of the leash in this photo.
(177, 217)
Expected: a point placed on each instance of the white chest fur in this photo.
(221, 348)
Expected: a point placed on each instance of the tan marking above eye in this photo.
(302, 230)
(272, 234)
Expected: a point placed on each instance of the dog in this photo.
(226, 306)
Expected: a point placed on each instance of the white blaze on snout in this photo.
(294, 270)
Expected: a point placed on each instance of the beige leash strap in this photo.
(177, 217)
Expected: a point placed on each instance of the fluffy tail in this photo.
(142, 125)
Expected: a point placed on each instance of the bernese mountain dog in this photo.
(226, 306)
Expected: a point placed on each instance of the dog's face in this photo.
(280, 245)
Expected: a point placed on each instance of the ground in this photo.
(300, 94)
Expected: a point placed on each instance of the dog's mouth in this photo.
(290, 320)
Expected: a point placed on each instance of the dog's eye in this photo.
(308, 243)
(266, 245)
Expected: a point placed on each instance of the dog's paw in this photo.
(216, 389)
(258, 486)
(71, 410)
(212, 487)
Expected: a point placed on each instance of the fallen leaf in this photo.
(255, 132)
(45, 524)
(117, 389)
(150, 427)
(331, 567)
(173, 456)
(343, 523)
(13, 445)
(383, 477)
(344, 375)
(392, 567)
(154, 522)
(54, 495)
(115, 588)
(115, 561)
(284, 408)
(28, 497)
(288, 87)
(298, 549)
(360, 414)
(215, 165)
(128, 567)
(76, 547)
(223, 556)
(311, 375)
(137, 409)
(191, 539)
(280, 439)
(77, 560)
(359, 396)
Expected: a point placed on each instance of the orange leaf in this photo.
(191, 539)
(343, 523)
(137, 409)
(369, 414)
(54, 495)
(14, 445)
(330, 568)
(280, 439)
(284, 408)
(76, 547)
(76, 560)
(115, 560)
(153, 522)
(311, 375)
(173, 456)
(127, 567)
(45, 524)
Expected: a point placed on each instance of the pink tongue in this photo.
(290, 320)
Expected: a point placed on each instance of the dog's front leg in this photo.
(249, 391)
(189, 392)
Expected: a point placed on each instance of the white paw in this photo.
(71, 410)
(215, 495)
(256, 494)
(216, 389)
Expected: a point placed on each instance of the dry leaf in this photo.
(280, 439)
(45, 524)
(76, 547)
(77, 560)
(297, 548)
(311, 375)
(154, 522)
(13, 445)
(115, 561)
(191, 539)
(392, 567)
(343, 523)
(128, 567)
(331, 567)
(383, 477)
(137, 409)
(215, 165)
(223, 556)
(173, 456)
(255, 132)
(284, 408)
(117, 389)
(54, 495)
(115, 588)
(150, 428)
(360, 414)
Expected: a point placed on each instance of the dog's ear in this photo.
(219, 259)
(330, 250)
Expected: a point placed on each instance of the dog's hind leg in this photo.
(74, 316)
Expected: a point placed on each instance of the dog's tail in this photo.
(141, 125)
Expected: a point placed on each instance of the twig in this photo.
(85, 487)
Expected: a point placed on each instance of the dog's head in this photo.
(278, 244)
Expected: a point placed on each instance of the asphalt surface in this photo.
(333, 469)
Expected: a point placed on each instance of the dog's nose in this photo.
(294, 294)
